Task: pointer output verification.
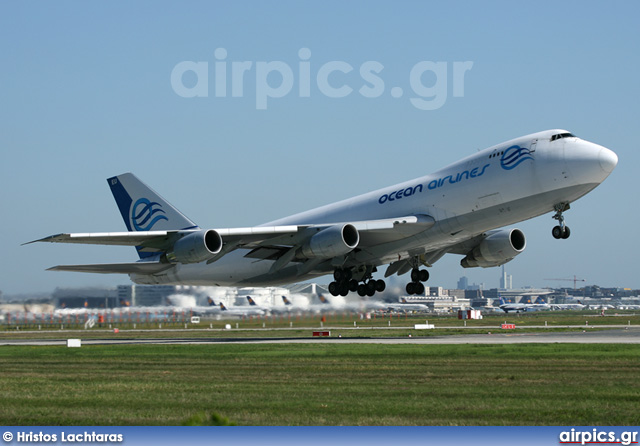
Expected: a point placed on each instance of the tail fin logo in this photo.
(513, 156)
(144, 214)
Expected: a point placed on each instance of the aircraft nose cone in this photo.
(608, 160)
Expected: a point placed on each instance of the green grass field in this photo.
(322, 384)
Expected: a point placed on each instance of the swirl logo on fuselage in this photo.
(144, 214)
(513, 156)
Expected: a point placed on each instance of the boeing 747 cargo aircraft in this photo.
(459, 209)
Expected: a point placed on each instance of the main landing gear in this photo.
(417, 277)
(344, 283)
(561, 231)
(365, 285)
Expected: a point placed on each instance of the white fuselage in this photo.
(481, 192)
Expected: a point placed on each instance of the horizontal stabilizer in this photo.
(116, 268)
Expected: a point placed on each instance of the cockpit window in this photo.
(562, 135)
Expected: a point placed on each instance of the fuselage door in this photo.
(534, 143)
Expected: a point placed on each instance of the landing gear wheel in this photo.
(380, 286)
(344, 289)
(562, 230)
(415, 288)
(362, 290)
(411, 286)
(333, 288)
(353, 285)
(559, 232)
(342, 275)
(419, 275)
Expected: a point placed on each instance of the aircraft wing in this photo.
(372, 232)
(280, 243)
(116, 268)
(110, 238)
(375, 232)
(162, 241)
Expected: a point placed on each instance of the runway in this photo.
(615, 336)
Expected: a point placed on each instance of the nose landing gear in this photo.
(561, 231)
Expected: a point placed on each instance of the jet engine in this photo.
(496, 249)
(331, 242)
(196, 247)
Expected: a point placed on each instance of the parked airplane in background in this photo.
(578, 306)
(272, 309)
(235, 311)
(628, 307)
(240, 311)
(507, 307)
(406, 306)
(600, 307)
(458, 209)
(306, 305)
(520, 307)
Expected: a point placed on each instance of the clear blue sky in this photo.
(86, 93)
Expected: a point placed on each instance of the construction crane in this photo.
(574, 280)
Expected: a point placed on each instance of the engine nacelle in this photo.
(496, 249)
(332, 242)
(196, 247)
